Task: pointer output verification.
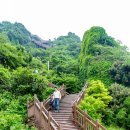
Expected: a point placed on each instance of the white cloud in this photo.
(52, 18)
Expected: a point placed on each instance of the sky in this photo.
(52, 18)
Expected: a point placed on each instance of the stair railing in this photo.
(81, 118)
(39, 116)
(46, 102)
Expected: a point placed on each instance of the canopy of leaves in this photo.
(18, 35)
(13, 57)
(63, 60)
(119, 108)
(102, 60)
(12, 111)
(18, 79)
(98, 52)
(16, 32)
(71, 38)
(3, 37)
(120, 72)
(18, 83)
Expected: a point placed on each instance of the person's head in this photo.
(56, 89)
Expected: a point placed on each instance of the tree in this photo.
(120, 72)
(119, 106)
(3, 38)
(5, 79)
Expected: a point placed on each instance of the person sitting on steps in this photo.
(56, 100)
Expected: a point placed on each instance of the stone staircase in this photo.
(64, 116)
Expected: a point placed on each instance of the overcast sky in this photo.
(52, 18)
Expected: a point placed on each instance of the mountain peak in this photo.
(17, 33)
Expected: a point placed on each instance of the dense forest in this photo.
(98, 59)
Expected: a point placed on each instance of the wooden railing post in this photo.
(97, 125)
(40, 115)
(49, 120)
(85, 123)
(35, 106)
(59, 128)
(83, 95)
(74, 113)
(35, 96)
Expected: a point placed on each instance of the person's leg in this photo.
(54, 104)
(57, 104)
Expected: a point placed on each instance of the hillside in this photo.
(99, 52)
(98, 59)
(19, 58)
(18, 34)
(105, 65)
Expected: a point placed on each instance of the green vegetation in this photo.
(100, 61)
(120, 72)
(103, 61)
(119, 107)
(112, 127)
(19, 58)
(63, 59)
(18, 83)
(16, 32)
(96, 99)
(13, 111)
(98, 53)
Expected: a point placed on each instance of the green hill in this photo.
(105, 65)
(98, 59)
(99, 52)
(18, 34)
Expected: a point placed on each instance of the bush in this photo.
(114, 127)
(25, 81)
(96, 99)
(12, 121)
(5, 79)
(119, 107)
(71, 82)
